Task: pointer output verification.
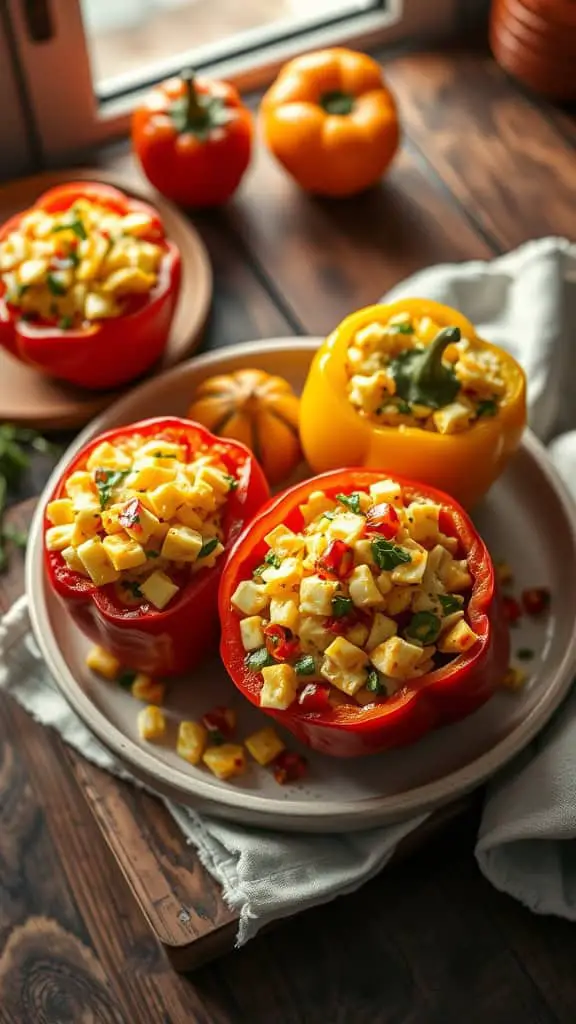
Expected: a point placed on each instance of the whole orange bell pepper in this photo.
(331, 121)
(465, 464)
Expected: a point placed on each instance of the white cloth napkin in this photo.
(526, 302)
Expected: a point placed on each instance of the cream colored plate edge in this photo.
(322, 815)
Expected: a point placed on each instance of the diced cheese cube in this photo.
(216, 479)
(447, 622)
(363, 589)
(167, 498)
(455, 575)
(59, 537)
(151, 723)
(151, 691)
(387, 490)
(101, 661)
(313, 634)
(317, 502)
(81, 488)
(382, 629)
(396, 658)
(181, 544)
(457, 639)
(345, 666)
(143, 522)
(123, 551)
(97, 563)
(207, 561)
(370, 338)
(399, 600)
(384, 582)
(280, 686)
(99, 307)
(33, 271)
(450, 543)
(514, 679)
(347, 527)
(150, 476)
(264, 745)
(284, 612)
(189, 517)
(164, 453)
(86, 524)
(127, 281)
(363, 552)
(191, 741)
(357, 634)
(316, 544)
(284, 541)
(287, 575)
(412, 571)
(225, 761)
(423, 521)
(159, 589)
(109, 457)
(316, 595)
(60, 512)
(109, 519)
(249, 597)
(367, 391)
(202, 496)
(70, 556)
(137, 223)
(452, 418)
(251, 632)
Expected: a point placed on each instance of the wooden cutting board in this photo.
(182, 903)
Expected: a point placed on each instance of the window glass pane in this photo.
(131, 39)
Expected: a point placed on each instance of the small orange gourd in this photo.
(259, 410)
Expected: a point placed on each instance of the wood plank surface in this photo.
(429, 941)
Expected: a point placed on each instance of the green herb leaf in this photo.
(126, 678)
(424, 628)
(525, 654)
(257, 660)
(208, 547)
(133, 587)
(305, 666)
(271, 558)
(328, 515)
(421, 376)
(351, 501)
(233, 483)
(405, 328)
(487, 407)
(74, 225)
(257, 572)
(106, 480)
(404, 407)
(388, 555)
(373, 683)
(65, 323)
(341, 605)
(450, 603)
(54, 285)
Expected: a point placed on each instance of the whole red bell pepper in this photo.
(172, 640)
(444, 695)
(105, 353)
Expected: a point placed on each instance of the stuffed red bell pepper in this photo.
(362, 611)
(135, 535)
(88, 285)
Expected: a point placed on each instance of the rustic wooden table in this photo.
(483, 168)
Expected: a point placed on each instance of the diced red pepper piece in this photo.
(130, 514)
(220, 724)
(281, 643)
(289, 767)
(536, 600)
(512, 610)
(340, 624)
(383, 519)
(315, 697)
(337, 561)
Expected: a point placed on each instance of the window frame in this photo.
(54, 83)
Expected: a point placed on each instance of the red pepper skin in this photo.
(442, 696)
(144, 639)
(337, 562)
(383, 519)
(106, 353)
(315, 697)
(280, 643)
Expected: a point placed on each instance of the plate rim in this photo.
(273, 812)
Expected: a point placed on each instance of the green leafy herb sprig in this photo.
(15, 445)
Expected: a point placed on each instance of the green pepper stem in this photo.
(429, 370)
(194, 110)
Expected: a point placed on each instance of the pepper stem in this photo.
(194, 110)
(430, 372)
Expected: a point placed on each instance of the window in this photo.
(83, 62)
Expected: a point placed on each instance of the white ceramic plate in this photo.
(527, 519)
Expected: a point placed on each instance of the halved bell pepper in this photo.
(108, 352)
(463, 464)
(444, 695)
(175, 639)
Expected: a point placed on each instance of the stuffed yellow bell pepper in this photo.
(410, 388)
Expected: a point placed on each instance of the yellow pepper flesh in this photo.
(333, 434)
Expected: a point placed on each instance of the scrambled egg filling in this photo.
(369, 593)
(79, 265)
(143, 515)
(373, 356)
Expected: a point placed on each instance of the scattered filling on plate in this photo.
(142, 515)
(80, 265)
(368, 594)
(411, 372)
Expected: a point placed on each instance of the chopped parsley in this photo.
(351, 501)
(232, 482)
(373, 683)
(106, 480)
(74, 225)
(257, 660)
(341, 606)
(450, 603)
(525, 654)
(271, 558)
(133, 587)
(126, 678)
(404, 407)
(54, 285)
(305, 666)
(208, 547)
(65, 323)
(405, 328)
(487, 407)
(388, 555)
